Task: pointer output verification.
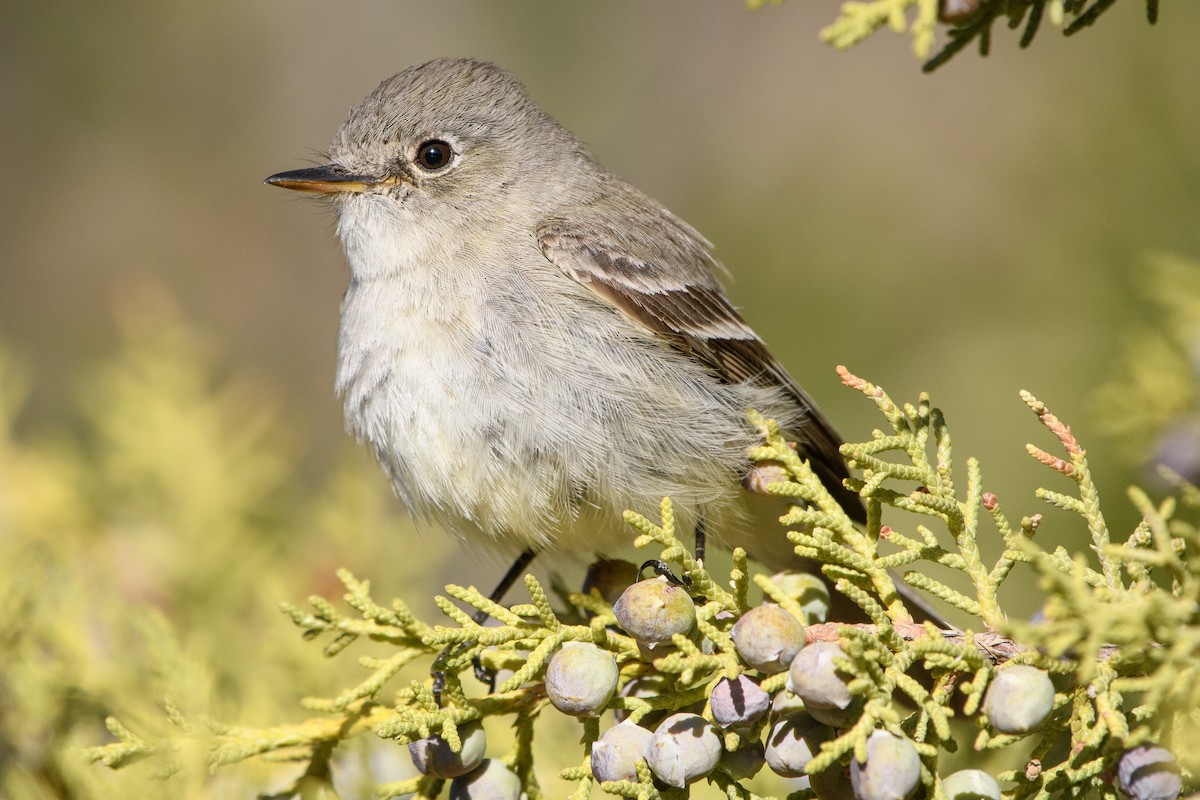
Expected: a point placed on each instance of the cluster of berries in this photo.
(581, 680)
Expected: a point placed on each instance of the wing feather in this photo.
(661, 274)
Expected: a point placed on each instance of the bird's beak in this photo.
(328, 179)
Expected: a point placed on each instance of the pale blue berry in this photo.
(970, 784)
(434, 757)
(1019, 699)
(615, 754)
(1149, 773)
(892, 770)
(683, 749)
(581, 678)
(654, 610)
(740, 701)
(767, 638)
(815, 678)
(791, 743)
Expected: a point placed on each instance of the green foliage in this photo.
(1125, 645)
(143, 550)
(1119, 631)
(168, 501)
(969, 21)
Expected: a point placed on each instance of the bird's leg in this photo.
(480, 617)
(701, 538)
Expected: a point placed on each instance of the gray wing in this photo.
(660, 273)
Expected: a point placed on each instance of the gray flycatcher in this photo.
(530, 344)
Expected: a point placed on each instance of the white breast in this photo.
(505, 400)
(409, 315)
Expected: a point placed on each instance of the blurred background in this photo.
(168, 322)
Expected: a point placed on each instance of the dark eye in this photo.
(434, 154)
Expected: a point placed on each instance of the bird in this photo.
(531, 345)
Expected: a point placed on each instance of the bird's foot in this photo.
(661, 568)
(450, 653)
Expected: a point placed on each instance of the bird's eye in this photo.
(434, 154)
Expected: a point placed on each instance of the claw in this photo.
(661, 568)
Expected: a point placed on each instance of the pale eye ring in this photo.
(434, 155)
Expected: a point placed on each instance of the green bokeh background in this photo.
(970, 233)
